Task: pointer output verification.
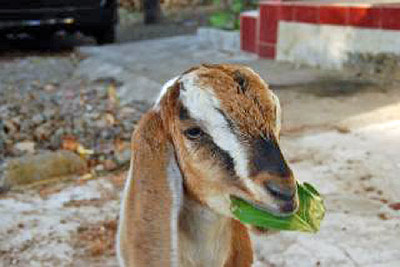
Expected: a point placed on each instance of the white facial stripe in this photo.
(278, 114)
(202, 106)
(163, 91)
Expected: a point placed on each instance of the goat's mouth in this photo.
(278, 208)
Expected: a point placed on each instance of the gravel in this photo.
(42, 108)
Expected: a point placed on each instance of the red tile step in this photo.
(248, 31)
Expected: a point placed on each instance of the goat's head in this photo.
(224, 123)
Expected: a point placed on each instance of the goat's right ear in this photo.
(148, 228)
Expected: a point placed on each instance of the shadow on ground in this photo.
(26, 45)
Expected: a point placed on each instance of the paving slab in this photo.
(160, 60)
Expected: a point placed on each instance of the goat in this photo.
(212, 134)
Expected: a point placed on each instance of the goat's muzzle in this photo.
(276, 194)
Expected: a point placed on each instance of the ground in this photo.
(340, 133)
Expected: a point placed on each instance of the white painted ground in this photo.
(355, 172)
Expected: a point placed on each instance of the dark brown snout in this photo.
(271, 172)
(281, 192)
(285, 194)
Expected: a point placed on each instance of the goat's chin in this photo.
(258, 231)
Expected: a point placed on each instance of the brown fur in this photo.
(252, 110)
(241, 249)
(149, 200)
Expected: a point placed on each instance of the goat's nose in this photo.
(283, 192)
(289, 206)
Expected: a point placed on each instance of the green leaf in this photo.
(307, 219)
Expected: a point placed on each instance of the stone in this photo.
(26, 126)
(123, 156)
(109, 165)
(49, 113)
(38, 119)
(142, 86)
(9, 127)
(127, 112)
(101, 124)
(26, 146)
(49, 87)
(33, 168)
(99, 168)
(43, 132)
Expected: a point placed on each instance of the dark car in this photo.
(45, 17)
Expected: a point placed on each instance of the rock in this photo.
(2, 144)
(109, 165)
(2, 137)
(104, 147)
(99, 168)
(43, 132)
(26, 146)
(143, 88)
(49, 113)
(37, 119)
(127, 112)
(9, 127)
(49, 87)
(56, 139)
(107, 134)
(101, 124)
(342, 129)
(16, 121)
(123, 156)
(30, 168)
(26, 127)
(127, 125)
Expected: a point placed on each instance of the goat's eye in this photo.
(193, 133)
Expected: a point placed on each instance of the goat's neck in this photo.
(204, 236)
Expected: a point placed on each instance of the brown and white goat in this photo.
(212, 134)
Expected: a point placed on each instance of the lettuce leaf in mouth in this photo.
(307, 219)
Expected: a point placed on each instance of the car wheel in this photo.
(106, 35)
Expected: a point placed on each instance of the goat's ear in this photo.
(278, 115)
(148, 234)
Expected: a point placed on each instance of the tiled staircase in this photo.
(261, 33)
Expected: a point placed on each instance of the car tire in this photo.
(106, 35)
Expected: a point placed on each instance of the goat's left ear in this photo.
(147, 234)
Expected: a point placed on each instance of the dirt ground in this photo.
(341, 135)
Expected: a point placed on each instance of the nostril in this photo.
(283, 193)
(289, 206)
